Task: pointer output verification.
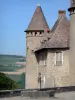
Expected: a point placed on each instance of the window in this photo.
(58, 58)
(35, 33)
(40, 33)
(42, 59)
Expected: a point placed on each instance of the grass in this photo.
(8, 62)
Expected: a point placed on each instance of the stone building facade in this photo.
(48, 50)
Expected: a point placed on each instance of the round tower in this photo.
(34, 35)
(72, 43)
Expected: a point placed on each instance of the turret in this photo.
(72, 43)
(34, 34)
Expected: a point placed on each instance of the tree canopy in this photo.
(6, 83)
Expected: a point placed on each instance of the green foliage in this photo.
(19, 78)
(8, 64)
(21, 82)
(6, 83)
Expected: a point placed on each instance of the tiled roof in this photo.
(38, 21)
(59, 36)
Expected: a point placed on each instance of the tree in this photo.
(6, 83)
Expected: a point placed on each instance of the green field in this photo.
(8, 62)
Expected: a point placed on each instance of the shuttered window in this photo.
(59, 58)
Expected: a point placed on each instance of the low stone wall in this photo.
(57, 89)
(60, 89)
(65, 89)
(37, 94)
(10, 93)
(44, 92)
(27, 93)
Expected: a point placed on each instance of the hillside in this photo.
(11, 62)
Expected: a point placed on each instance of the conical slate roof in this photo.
(59, 36)
(72, 5)
(38, 21)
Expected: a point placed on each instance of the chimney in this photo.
(61, 13)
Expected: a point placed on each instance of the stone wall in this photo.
(32, 42)
(57, 76)
(72, 48)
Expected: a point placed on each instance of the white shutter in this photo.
(59, 58)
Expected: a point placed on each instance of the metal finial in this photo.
(38, 4)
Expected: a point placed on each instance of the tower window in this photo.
(40, 33)
(58, 58)
(35, 33)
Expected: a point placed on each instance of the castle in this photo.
(51, 52)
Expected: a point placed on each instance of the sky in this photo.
(15, 16)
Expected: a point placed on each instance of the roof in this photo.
(59, 36)
(38, 21)
(72, 5)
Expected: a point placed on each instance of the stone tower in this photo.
(72, 43)
(34, 35)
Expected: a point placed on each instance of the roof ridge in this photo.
(57, 26)
(52, 32)
(58, 20)
(59, 38)
(56, 29)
